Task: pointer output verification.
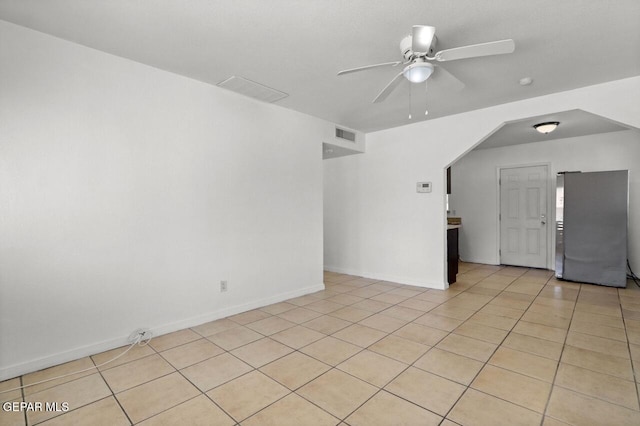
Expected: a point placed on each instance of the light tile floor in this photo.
(502, 346)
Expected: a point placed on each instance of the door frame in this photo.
(551, 213)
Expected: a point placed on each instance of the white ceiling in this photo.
(573, 123)
(298, 46)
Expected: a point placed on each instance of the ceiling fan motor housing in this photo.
(408, 54)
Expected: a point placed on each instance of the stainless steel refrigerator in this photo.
(591, 227)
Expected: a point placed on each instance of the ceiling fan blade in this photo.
(475, 50)
(421, 38)
(388, 89)
(444, 78)
(366, 67)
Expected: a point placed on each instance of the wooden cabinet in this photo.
(452, 254)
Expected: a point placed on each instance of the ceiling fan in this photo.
(418, 67)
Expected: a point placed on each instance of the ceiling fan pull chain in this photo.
(426, 89)
(410, 101)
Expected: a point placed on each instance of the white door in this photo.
(523, 216)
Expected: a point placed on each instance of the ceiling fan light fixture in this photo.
(418, 72)
(546, 128)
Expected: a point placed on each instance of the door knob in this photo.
(543, 219)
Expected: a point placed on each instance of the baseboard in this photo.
(385, 277)
(37, 364)
(226, 312)
(491, 261)
(157, 330)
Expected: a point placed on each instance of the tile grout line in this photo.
(597, 371)
(229, 351)
(575, 303)
(201, 393)
(484, 363)
(232, 379)
(633, 370)
(149, 381)
(24, 399)
(499, 345)
(380, 389)
(564, 345)
(448, 333)
(301, 324)
(299, 306)
(65, 383)
(112, 393)
(271, 378)
(144, 383)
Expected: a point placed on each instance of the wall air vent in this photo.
(252, 89)
(345, 134)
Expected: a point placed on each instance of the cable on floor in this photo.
(631, 275)
(138, 337)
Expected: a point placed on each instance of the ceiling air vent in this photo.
(345, 134)
(252, 89)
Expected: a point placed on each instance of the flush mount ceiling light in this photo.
(418, 72)
(547, 127)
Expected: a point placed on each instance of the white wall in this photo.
(127, 193)
(376, 225)
(475, 194)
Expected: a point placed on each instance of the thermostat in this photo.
(423, 187)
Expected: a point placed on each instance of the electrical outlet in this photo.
(140, 334)
(223, 286)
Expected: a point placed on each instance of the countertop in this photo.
(453, 227)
